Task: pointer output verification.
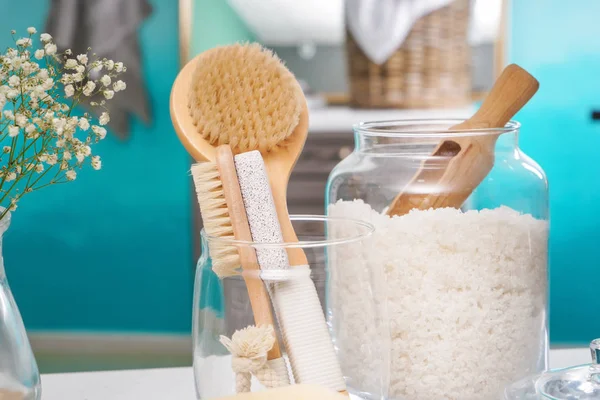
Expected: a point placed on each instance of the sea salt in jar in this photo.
(465, 290)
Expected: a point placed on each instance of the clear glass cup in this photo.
(222, 306)
(19, 375)
(465, 288)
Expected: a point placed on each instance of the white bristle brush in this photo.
(224, 216)
(295, 299)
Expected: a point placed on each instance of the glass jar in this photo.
(465, 287)
(581, 382)
(223, 308)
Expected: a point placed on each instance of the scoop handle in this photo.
(512, 90)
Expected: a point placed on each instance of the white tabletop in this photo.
(178, 383)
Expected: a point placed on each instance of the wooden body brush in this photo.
(224, 216)
(243, 96)
(471, 156)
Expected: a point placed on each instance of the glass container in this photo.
(19, 376)
(574, 383)
(465, 287)
(222, 306)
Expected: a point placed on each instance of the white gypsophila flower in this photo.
(89, 87)
(50, 49)
(43, 157)
(67, 155)
(69, 91)
(119, 66)
(104, 118)
(84, 124)
(39, 91)
(14, 81)
(68, 52)
(79, 156)
(24, 42)
(80, 68)
(28, 67)
(13, 204)
(71, 63)
(71, 175)
(20, 120)
(31, 30)
(48, 84)
(18, 169)
(44, 37)
(16, 63)
(87, 151)
(110, 64)
(12, 93)
(4, 89)
(83, 59)
(60, 143)
(119, 85)
(52, 159)
(13, 131)
(105, 80)
(30, 128)
(39, 168)
(11, 176)
(8, 114)
(78, 77)
(99, 131)
(43, 74)
(96, 162)
(6, 149)
(49, 115)
(109, 94)
(11, 53)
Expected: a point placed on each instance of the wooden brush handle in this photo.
(470, 158)
(257, 292)
(296, 256)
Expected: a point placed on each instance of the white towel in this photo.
(379, 27)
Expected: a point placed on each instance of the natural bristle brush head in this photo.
(242, 95)
(215, 215)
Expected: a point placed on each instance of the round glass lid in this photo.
(575, 383)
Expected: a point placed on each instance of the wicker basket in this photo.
(430, 69)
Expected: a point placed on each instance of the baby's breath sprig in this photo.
(43, 142)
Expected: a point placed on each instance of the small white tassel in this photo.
(249, 347)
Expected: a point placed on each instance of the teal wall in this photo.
(215, 24)
(112, 250)
(558, 43)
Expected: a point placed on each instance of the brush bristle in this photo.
(215, 215)
(243, 95)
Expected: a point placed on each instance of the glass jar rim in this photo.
(381, 128)
(367, 230)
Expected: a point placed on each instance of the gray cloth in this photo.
(109, 27)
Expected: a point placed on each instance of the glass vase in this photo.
(19, 375)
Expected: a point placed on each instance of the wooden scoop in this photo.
(470, 157)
